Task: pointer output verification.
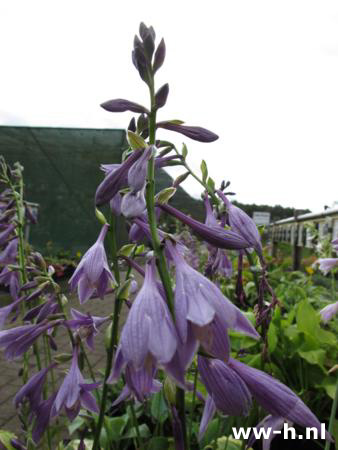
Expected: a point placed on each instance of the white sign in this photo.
(261, 218)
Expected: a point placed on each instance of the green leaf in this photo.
(115, 427)
(204, 170)
(165, 195)
(329, 383)
(184, 151)
(272, 337)
(307, 318)
(140, 249)
(159, 408)
(126, 250)
(175, 121)
(136, 141)
(158, 443)
(5, 439)
(313, 357)
(211, 184)
(143, 429)
(76, 424)
(211, 433)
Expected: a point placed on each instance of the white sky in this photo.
(263, 75)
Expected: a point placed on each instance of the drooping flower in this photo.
(242, 224)
(214, 235)
(43, 416)
(133, 204)
(149, 333)
(93, 273)
(271, 423)
(10, 278)
(115, 180)
(138, 171)
(200, 302)
(275, 397)
(5, 311)
(122, 105)
(140, 383)
(17, 341)
(74, 392)
(87, 324)
(329, 311)
(326, 264)
(4, 235)
(227, 391)
(32, 390)
(9, 255)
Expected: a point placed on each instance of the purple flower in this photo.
(122, 105)
(214, 235)
(329, 311)
(275, 397)
(10, 278)
(196, 133)
(93, 273)
(32, 390)
(5, 311)
(9, 255)
(138, 171)
(159, 56)
(140, 383)
(74, 392)
(161, 96)
(43, 415)
(227, 391)
(115, 204)
(133, 204)
(87, 324)
(327, 264)
(17, 341)
(199, 302)
(115, 180)
(4, 235)
(149, 333)
(242, 224)
(274, 423)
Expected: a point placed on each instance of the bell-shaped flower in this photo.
(227, 391)
(115, 204)
(9, 254)
(87, 325)
(17, 341)
(115, 180)
(200, 302)
(329, 311)
(149, 333)
(5, 311)
(326, 264)
(242, 224)
(271, 425)
(43, 415)
(74, 392)
(93, 273)
(133, 204)
(138, 171)
(4, 235)
(275, 397)
(215, 235)
(140, 383)
(32, 390)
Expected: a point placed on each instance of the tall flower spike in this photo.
(74, 392)
(214, 235)
(275, 397)
(242, 224)
(93, 273)
(199, 302)
(149, 333)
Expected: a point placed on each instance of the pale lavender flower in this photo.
(17, 341)
(4, 235)
(5, 311)
(138, 171)
(115, 204)
(32, 390)
(87, 324)
(93, 273)
(326, 264)
(149, 333)
(329, 311)
(74, 392)
(9, 254)
(133, 204)
(140, 383)
(199, 302)
(115, 180)
(10, 278)
(272, 423)
(275, 397)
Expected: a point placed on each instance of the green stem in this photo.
(135, 425)
(113, 339)
(332, 416)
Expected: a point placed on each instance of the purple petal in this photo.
(208, 413)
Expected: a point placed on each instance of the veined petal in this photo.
(208, 413)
